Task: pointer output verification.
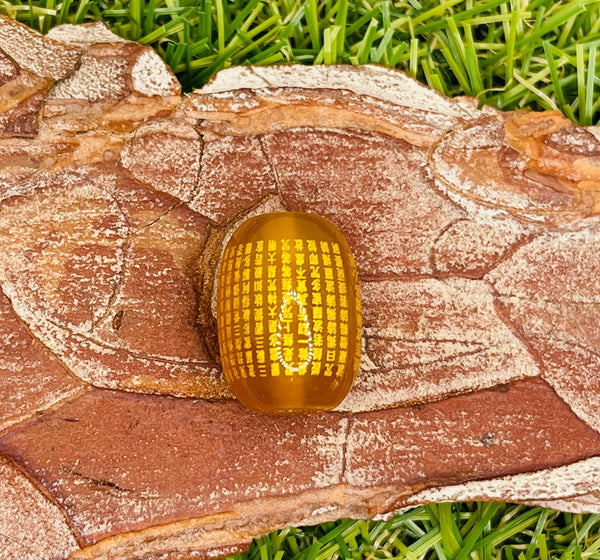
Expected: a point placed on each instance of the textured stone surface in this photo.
(31, 378)
(32, 527)
(475, 235)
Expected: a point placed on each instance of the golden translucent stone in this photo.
(288, 314)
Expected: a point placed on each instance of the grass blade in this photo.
(589, 88)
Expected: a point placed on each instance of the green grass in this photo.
(512, 54)
(458, 531)
(536, 54)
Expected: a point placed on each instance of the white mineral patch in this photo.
(538, 271)
(458, 344)
(151, 76)
(7, 67)
(595, 130)
(233, 79)
(41, 55)
(374, 81)
(31, 527)
(96, 32)
(97, 79)
(576, 479)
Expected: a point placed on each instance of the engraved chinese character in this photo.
(317, 353)
(288, 355)
(288, 339)
(303, 354)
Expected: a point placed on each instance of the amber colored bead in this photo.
(288, 314)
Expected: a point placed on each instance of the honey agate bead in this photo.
(288, 314)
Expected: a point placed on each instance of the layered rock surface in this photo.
(475, 235)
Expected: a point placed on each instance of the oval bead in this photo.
(288, 314)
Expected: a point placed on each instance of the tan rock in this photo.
(475, 234)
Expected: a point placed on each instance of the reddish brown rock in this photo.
(235, 176)
(166, 156)
(374, 189)
(476, 238)
(425, 340)
(201, 460)
(89, 281)
(31, 378)
(104, 457)
(471, 248)
(116, 85)
(472, 437)
(521, 163)
(556, 307)
(32, 526)
(22, 121)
